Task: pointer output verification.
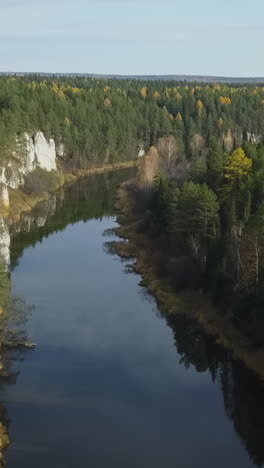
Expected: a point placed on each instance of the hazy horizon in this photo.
(134, 76)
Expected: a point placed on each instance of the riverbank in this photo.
(21, 202)
(195, 304)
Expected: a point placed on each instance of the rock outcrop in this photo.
(253, 138)
(44, 152)
(141, 153)
(4, 196)
(4, 244)
(30, 153)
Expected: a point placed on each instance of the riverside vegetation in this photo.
(204, 209)
(101, 121)
(196, 233)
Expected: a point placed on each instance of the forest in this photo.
(205, 223)
(108, 120)
(207, 211)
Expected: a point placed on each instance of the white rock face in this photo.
(60, 150)
(4, 244)
(141, 153)
(252, 138)
(4, 195)
(45, 152)
(2, 176)
(29, 154)
(30, 163)
(11, 176)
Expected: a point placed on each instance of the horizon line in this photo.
(124, 75)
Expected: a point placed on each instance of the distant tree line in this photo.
(107, 120)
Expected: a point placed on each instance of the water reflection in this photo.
(80, 201)
(89, 198)
(242, 391)
(14, 343)
(98, 363)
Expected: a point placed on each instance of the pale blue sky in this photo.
(206, 37)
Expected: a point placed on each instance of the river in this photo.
(112, 382)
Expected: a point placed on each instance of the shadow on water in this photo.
(242, 392)
(14, 344)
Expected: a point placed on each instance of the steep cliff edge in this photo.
(36, 163)
(30, 153)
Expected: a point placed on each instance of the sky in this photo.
(195, 37)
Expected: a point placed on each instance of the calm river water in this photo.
(112, 383)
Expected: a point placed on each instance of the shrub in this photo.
(40, 181)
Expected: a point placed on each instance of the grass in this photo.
(20, 202)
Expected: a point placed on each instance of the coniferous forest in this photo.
(206, 205)
(100, 118)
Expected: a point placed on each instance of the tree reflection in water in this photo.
(243, 392)
(13, 346)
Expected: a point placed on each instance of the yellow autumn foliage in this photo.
(178, 116)
(156, 95)
(32, 85)
(224, 100)
(167, 92)
(143, 92)
(57, 90)
(216, 87)
(199, 105)
(238, 165)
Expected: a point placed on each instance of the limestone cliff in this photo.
(30, 153)
(41, 152)
(4, 244)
